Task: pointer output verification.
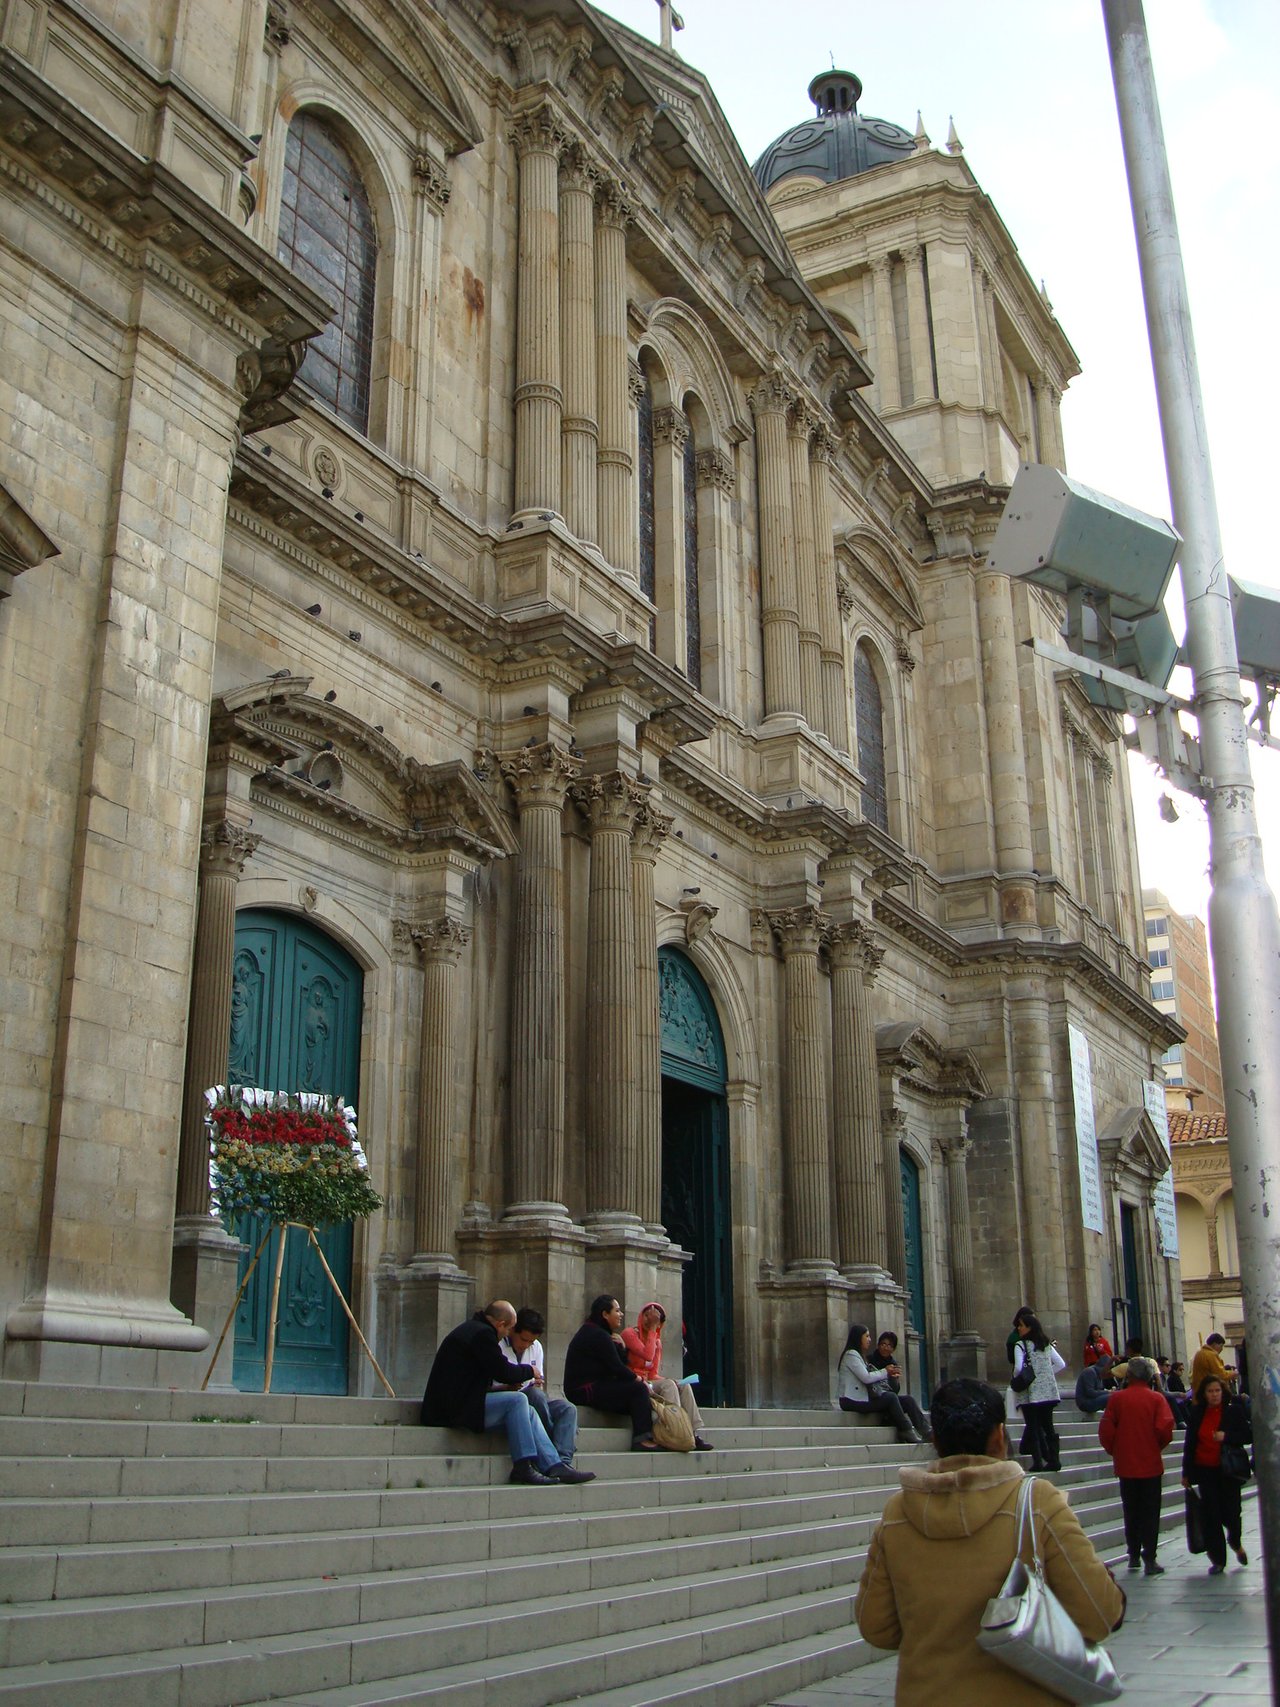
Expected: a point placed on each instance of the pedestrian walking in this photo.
(1217, 1423)
(1136, 1427)
(1035, 1351)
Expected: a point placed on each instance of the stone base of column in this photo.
(638, 1267)
(805, 1318)
(418, 1304)
(203, 1282)
(876, 1299)
(82, 1338)
(965, 1354)
(536, 1262)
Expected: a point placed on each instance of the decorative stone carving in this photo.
(540, 776)
(671, 427)
(635, 381)
(225, 848)
(276, 33)
(327, 468)
(431, 179)
(442, 939)
(714, 467)
(902, 652)
(538, 131)
(698, 917)
(309, 897)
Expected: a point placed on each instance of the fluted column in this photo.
(993, 339)
(893, 1127)
(1046, 438)
(1006, 757)
(799, 931)
(779, 606)
(538, 138)
(800, 423)
(440, 943)
(614, 1185)
(540, 777)
(886, 337)
(651, 830)
(986, 355)
(835, 694)
(578, 341)
(922, 385)
(614, 465)
(964, 1299)
(855, 958)
(224, 849)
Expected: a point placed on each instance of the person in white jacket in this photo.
(1035, 1352)
(865, 1389)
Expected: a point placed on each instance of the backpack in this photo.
(671, 1428)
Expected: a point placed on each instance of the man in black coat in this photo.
(460, 1395)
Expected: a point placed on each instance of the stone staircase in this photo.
(174, 1549)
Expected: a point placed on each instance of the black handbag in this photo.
(1024, 1374)
(1195, 1526)
(1235, 1464)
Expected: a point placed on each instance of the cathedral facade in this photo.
(493, 622)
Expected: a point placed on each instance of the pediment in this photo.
(1129, 1139)
(911, 1052)
(870, 571)
(414, 51)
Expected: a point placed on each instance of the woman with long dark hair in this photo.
(868, 1390)
(1216, 1420)
(596, 1373)
(1035, 1351)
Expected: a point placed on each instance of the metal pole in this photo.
(1243, 927)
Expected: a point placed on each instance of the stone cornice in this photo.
(23, 543)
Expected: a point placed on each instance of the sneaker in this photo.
(1135, 1563)
(1154, 1570)
(1242, 1555)
(567, 1473)
(526, 1474)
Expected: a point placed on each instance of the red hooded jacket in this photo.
(1135, 1428)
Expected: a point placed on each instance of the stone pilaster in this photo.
(539, 138)
(614, 1185)
(893, 1127)
(670, 436)
(1040, 1161)
(651, 830)
(806, 1142)
(1006, 756)
(779, 614)
(440, 943)
(540, 777)
(615, 471)
(913, 261)
(967, 1352)
(578, 342)
(835, 692)
(855, 957)
(800, 424)
(993, 340)
(886, 337)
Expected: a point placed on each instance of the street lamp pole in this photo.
(1243, 927)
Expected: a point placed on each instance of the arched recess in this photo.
(697, 1203)
(1193, 1237)
(872, 717)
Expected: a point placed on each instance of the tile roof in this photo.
(1195, 1128)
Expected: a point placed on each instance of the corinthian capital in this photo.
(613, 205)
(441, 939)
(610, 802)
(538, 131)
(540, 776)
(225, 848)
(799, 930)
(771, 395)
(651, 829)
(671, 426)
(850, 943)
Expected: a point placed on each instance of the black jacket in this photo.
(467, 1364)
(594, 1355)
(1236, 1428)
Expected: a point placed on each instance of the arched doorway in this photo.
(913, 1230)
(295, 1026)
(695, 1168)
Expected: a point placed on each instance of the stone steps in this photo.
(334, 1551)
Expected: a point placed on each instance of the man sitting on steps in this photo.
(459, 1395)
(558, 1416)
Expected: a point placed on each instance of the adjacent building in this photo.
(494, 623)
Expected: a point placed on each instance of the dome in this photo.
(837, 142)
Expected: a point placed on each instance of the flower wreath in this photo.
(291, 1156)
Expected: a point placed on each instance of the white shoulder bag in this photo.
(1028, 1629)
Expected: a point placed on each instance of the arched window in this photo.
(869, 714)
(328, 238)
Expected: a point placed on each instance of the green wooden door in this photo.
(295, 1026)
(1129, 1256)
(913, 1229)
(696, 1207)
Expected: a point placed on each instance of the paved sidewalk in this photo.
(1188, 1639)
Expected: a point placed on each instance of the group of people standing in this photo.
(489, 1373)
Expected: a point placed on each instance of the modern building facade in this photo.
(1178, 954)
(494, 623)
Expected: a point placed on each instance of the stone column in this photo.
(578, 342)
(670, 436)
(855, 958)
(835, 693)
(614, 1184)
(800, 423)
(1046, 439)
(886, 338)
(806, 1141)
(893, 1127)
(440, 943)
(993, 339)
(538, 138)
(651, 830)
(614, 466)
(224, 850)
(779, 609)
(1040, 1163)
(967, 1350)
(540, 777)
(1006, 757)
(922, 384)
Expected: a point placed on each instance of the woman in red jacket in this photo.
(1136, 1427)
(1214, 1421)
(1095, 1344)
(643, 1347)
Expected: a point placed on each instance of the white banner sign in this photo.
(1166, 1211)
(1086, 1132)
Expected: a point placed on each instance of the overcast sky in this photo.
(1028, 84)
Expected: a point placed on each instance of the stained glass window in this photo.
(869, 712)
(328, 238)
(692, 615)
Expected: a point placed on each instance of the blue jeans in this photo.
(526, 1437)
(559, 1418)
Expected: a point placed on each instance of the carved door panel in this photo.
(912, 1223)
(295, 1026)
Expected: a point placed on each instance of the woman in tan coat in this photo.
(944, 1547)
